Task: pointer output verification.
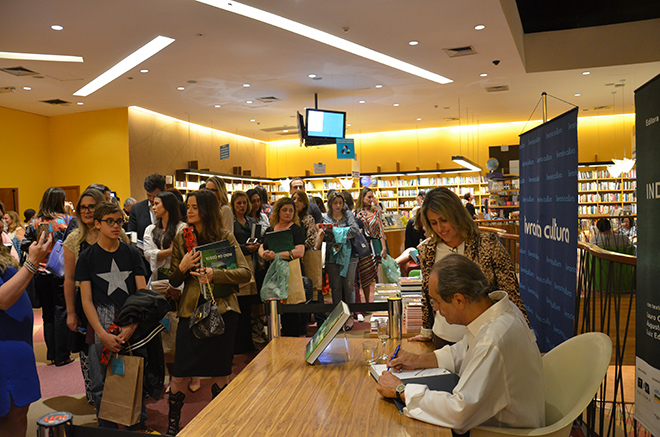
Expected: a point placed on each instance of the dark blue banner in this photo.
(548, 227)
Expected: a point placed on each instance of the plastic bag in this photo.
(276, 282)
(391, 269)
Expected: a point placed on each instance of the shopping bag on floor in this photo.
(168, 336)
(122, 393)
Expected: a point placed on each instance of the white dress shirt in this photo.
(151, 251)
(501, 375)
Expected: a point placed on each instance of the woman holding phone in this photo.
(210, 357)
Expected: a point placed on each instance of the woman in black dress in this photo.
(210, 357)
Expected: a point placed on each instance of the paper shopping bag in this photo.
(122, 394)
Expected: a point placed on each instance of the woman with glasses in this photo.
(209, 357)
(52, 219)
(77, 241)
(218, 187)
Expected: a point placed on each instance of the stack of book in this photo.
(411, 294)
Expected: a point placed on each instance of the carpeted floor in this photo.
(63, 389)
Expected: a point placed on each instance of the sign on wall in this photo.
(647, 362)
(224, 151)
(346, 148)
(548, 227)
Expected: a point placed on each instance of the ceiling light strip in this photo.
(40, 57)
(324, 37)
(140, 55)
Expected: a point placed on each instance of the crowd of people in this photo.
(104, 269)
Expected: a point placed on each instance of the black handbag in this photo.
(206, 321)
(361, 247)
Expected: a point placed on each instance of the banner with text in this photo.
(548, 227)
(647, 388)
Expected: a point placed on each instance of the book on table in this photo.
(279, 241)
(436, 379)
(219, 255)
(327, 332)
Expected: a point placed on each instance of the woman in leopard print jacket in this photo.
(451, 230)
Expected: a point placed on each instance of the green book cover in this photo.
(280, 241)
(219, 255)
(327, 332)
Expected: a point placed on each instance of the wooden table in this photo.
(279, 394)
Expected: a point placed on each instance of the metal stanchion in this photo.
(273, 320)
(394, 312)
(54, 424)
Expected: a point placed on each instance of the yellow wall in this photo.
(429, 149)
(95, 146)
(162, 144)
(26, 157)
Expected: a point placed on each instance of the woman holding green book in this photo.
(284, 221)
(209, 357)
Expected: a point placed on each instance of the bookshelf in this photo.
(504, 195)
(599, 194)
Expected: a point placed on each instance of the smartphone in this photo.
(43, 229)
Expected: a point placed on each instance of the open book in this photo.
(435, 379)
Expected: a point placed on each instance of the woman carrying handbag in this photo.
(208, 357)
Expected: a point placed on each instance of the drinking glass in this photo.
(370, 352)
(383, 336)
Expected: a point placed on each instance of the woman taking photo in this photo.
(210, 357)
(339, 265)
(52, 218)
(84, 236)
(452, 230)
(19, 384)
(247, 293)
(283, 218)
(217, 186)
(366, 209)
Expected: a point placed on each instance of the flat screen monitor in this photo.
(325, 124)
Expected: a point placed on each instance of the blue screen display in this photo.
(325, 124)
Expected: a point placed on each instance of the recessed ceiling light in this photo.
(56, 27)
(361, 101)
(413, 43)
(27, 88)
(419, 119)
(253, 120)
(323, 37)
(218, 106)
(246, 85)
(348, 125)
(586, 73)
(248, 101)
(181, 88)
(479, 27)
(131, 61)
(483, 74)
(311, 76)
(577, 94)
(144, 70)
(378, 86)
(79, 103)
(396, 104)
(39, 57)
(285, 131)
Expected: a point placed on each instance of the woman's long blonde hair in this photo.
(221, 194)
(446, 203)
(15, 221)
(359, 204)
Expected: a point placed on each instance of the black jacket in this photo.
(147, 308)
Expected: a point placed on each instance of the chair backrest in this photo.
(573, 371)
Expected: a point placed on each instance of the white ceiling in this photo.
(222, 51)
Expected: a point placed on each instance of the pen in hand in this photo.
(396, 352)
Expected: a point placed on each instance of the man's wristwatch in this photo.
(399, 390)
